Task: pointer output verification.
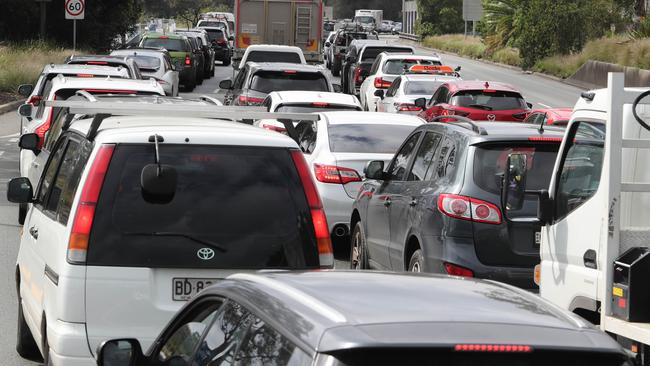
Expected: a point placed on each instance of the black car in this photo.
(365, 318)
(197, 50)
(220, 44)
(104, 60)
(359, 60)
(206, 48)
(341, 43)
(256, 80)
(437, 208)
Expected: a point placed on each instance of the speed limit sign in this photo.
(75, 9)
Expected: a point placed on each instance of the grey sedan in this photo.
(154, 63)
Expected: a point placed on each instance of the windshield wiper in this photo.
(481, 106)
(208, 243)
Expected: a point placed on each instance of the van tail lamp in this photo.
(380, 83)
(456, 270)
(537, 274)
(357, 75)
(35, 100)
(320, 104)
(520, 116)
(335, 174)
(248, 101)
(467, 208)
(85, 75)
(323, 241)
(97, 63)
(406, 107)
(290, 71)
(502, 348)
(545, 139)
(42, 129)
(188, 61)
(83, 219)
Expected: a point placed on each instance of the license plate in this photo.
(538, 238)
(184, 289)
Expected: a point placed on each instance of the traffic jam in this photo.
(403, 216)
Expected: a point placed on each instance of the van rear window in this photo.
(269, 81)
(247, 204)
(273, 56)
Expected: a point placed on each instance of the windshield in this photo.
(489, 100)
(364, 19)
(422, 87)
(316, 107)
(212, 23)
(170, 44)
(274, 56)
(215, 35)
(397, 67)
(269, 81)
(245, 202)
(370, 53)
(146, 62)
(367, 138)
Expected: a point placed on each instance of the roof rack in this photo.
(460, 120)
(102, 110)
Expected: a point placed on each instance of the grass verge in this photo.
(23, 63)
(472, 47)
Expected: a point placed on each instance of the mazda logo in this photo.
(205, 254)
(492, 117)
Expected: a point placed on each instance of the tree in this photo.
(498, 23)
(439, 17)
(190, 10)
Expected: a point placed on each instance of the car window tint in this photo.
(211, 208)
(424, 156)
(181, 344)
(215, 35)
(269, 81)
(443, 93)
(50, 171)
(274, 56)
(239, 79)
(170, 44)
(396, 67)
(421, 87)
(224, 336)
(367, 138)
(581, 167)
(397, 170)
(370, 53)
(393, 87)
(446, 159)
(46, 94)
(307, 137)
(493, 100)
(65, 176)
(265, 346)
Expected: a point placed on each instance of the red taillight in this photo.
(325, 251)
(97, 63)
(453, 112)
(188, 61)
(35, 100)
(545, 139)
(456, 270)
(380, 83)
(163, 37)
(467, 208)
(273, 128)
(335, 174)
(508, 348)
(320, 104)
(42, 129)
(246, 100)
(357, 75)
(290, 71)
(85, 76)
(405, 107)
(520, 116)
(222, 41)
(83, 219)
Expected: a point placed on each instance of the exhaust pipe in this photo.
(340, 231)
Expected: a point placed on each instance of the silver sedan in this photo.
(154, 63)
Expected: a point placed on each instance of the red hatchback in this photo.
(555, 116)
(477, 100)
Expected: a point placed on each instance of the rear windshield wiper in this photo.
(481, 106)
(208, 243)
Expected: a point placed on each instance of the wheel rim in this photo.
(416, 267)
(355, 257)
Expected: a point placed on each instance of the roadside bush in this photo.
(457, 43)
(22, 63)
(509, 56)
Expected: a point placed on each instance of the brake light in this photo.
(545, 139)
(508, 348)
(520, 116)
(85, 75)
(456, 270)
(335, 174)
(380, 83)
(111, 91)
(188, 61)
(453, 112)
(273, 128)
(357, 75)
(468, 208)
(320, 104)
(42, 129)
(35, 100)
(246, 100)
(163, 37)
(97, 63)
(83, 219)
(290, 71)
(324, 243)
(405, 107)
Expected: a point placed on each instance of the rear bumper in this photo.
(69, 344)
(461, 251)
(186, 74)
(221, 54)
(337, 204)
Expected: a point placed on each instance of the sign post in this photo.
(472, 12)
(75, 10)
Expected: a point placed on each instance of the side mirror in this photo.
(337, 88)
(530, 105)
(513, 189)
(374, 170)
(421, 102)
(29, 141)
(119, 352)
(225, 84)
(25, 90)
(25, 110)
(20, 190)
(328, 44)
(158, 183)
(457, 69)
(379, 93)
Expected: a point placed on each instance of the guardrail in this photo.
(412, 37)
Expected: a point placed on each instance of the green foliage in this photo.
(346, 8)
(439, 17)
(472, 47)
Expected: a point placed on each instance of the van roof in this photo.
(64, 82)
(86, 69)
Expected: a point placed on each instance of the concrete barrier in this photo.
(593, 75)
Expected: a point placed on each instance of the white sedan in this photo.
(386, 68)
(406, 89)
(156, 64)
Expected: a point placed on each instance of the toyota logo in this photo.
(492, 117)
(205, 254)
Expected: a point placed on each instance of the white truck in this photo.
(279, 22)
(595, 217)
(369, 18)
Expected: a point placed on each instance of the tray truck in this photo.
(595, 218)
(282, 22)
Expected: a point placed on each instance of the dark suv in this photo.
(359, 59)
(437, 206)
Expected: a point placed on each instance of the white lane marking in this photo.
(15, 139)
(545, 106)
(12, 135)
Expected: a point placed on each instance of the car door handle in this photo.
(413, 202)
(387, 202)
(33, 231)
(589, 259)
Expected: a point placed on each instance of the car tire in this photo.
(25, 343)
(22, 213)
(212, 73)
(199, 77)
(336, 70)
(416, 264)
(226, 62)
(358, 248)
